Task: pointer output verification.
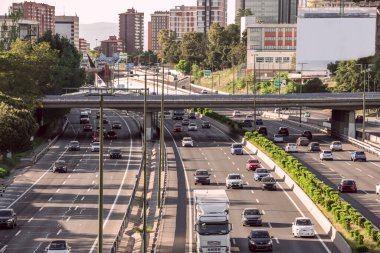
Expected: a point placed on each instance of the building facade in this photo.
(22, 29)
(131, 30)
(271, 11)
(159, 21)
(183, 19)
(209, 12)
(43, 13)
(270, 48)
(68, 27)
(111, 46)
(84, 46)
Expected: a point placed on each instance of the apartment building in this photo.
(159, 21)
(68, 27)
(209, 12)
(22, 29)
(183, 19)
(131, 30)
(111, 46)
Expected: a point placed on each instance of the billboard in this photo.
(324, 40)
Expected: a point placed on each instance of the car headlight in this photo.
(270, 242)
(244, 218)
(9, 220)
(252, 241)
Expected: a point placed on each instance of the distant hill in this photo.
(100, 31)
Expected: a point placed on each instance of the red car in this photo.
(252, 164)
(177, 128)
(95, 137)
(87, 128)
(347, 185)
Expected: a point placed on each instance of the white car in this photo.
(326, 155)
(378, 189)
(249, 117)
(95, 146)
(192, 127)
(234, 180)
(203, 91)
(58, 246)
(278, 138)
(291, 147)
(236, 114)
(302, 226)
(336, 146)
(187, 142)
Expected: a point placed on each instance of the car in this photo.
(313, 146)
(249, 117)
(116, 125)
(336, 146)
(307, 134)
(234, 180)
(95, 146)
(87, 128)
(302, 141)
(236, 149)
(74, 146)
(192, 115)
(326, 155)
(283, 131)
(291, 148)
(206, 124)
(278, 138)
(58, 246)
(263, 130)
(88, 110)
(201, 176)
(260, 240)
(347, 185)
(111, 135)
(247, 123)
(187, 142)
(95, 136)
(377, 189)
(204, 92)
(185, 122)
(84, 120)
(252, 164)
(359, 119)
(8, 218)
(236, 114)
(277, 110)
(302, 227)
(268, 183)
(260, 173)
(251, 217)
(259, 122)
(192, 127)
(306, 115)
(115, 153)
(105, 121)
(59, 166)
(177, 127)
(358, 156)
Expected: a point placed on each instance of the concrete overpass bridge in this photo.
(343, 105)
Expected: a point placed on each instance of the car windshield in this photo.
(192, 124)
(260, 234)
(74, 143)
(291, 144)
(177, 125)
(237, 146)
(253, 161)
(187, 139)
(202, 172)
(261, 171)
(116, 122)
(337, 143)
(327, 152)
(206, 122)
(57, 246)
(5, 213)
(115, 151)
(111, 133)
(268, 179)
(252, 212)
(348, 182)
(303, 222)
(234, 177)
(359, 152)
(277, 136)
(59, 163)
(95, 144)
(315, 144)
(213, 229)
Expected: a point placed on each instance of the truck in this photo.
(211, 221)
(178, 114)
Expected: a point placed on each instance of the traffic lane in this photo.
(200, 157)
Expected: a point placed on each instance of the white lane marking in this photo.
(40, 209)
(57, 190)
(64, 182)
(364, 192)
(270, 225)
(238, 169)
(209, 164)
(97, 175)
(375, 164)
(76, 208)
(30, 220)
(233, 163)
(332, 169)
(263, 212)
(358, 169)
(93, 182)
(234, 241)
(247, 183)
(378, 200)
(370, 176)
(3, 248)
(89, 189)
(59, 231)
(212, 169)
(276, 239)
(322, 163)
(229, 158)
(68, 218)
(68, 177)
(50, 199)
(257, 200)
(252, 191)
(348, 163)
(18, 233)
(82, 198)
(242, 175)
(215, 176)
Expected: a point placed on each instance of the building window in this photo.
(259, 59)
(268, 59)
(286, 59)
(278, 59)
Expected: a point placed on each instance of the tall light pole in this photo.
(161, 162)
(145, 172)
(100, 197)
(254, 94)
(301, 63)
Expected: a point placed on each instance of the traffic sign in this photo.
(130, 66)
(207, 73)
(277, 83)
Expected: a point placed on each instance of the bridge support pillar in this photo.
(343, 122)
(149, 129)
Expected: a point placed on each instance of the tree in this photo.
(193, 47)
(242, 13)
(348, 77)
(166, 38)
(238, 54)
(183, 66)
(196, 72)
(332, 67)
(314, 85)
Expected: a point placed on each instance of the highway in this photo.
(212, 152)
(64, 206)
(366, 174)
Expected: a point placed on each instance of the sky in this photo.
(93, 11)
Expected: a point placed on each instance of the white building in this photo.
(68, 26)
(22, 28)
(324, 36)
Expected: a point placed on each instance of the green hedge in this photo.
(233, 125)
(357, 227)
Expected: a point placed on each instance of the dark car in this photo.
(105, 121)
(247, 123)
(206, 124)
(307, 134)
(268, 183)
(201, 176)
(358, 156)
(111, 135)
(8, 218)
(314, 146)
(263, 130)
(87, 128)
(283, 131)
(259, 122)
(259, 239)
(192, 115)
(116, 125)
(59, 166)
(359, 119)
(347, 185)
(115, 153)
(74, 146)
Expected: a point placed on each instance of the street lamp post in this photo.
(145, 172)
(254, 92)
(100, 197)
(300, 118)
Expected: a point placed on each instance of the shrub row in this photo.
(358, 227)
(3, 172)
